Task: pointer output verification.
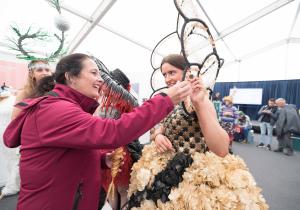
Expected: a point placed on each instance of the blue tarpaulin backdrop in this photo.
(287, 89)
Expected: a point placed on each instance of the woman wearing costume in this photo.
(176, 171)
(131, 151)
(37, 69)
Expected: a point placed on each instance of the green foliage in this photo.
(55, 4)
(18, 41)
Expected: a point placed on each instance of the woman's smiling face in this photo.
(171, 74)
(89, 80)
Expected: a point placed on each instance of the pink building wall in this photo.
(13, 74)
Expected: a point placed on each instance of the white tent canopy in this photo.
(259, 39)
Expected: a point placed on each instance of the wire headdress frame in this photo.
(114, 95)
(197, 46)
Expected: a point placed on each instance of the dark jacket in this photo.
(288, 120)
(273, 115)
(60, 138)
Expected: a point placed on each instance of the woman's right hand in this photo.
(179, 91)
(162, 143)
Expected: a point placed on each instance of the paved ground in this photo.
(277, 174)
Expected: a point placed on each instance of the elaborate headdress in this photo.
(17, 42)
(192, 38)
(112, 90)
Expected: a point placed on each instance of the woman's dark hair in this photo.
(175, 60)
(45, 85)
(272, 99)
(71, 64)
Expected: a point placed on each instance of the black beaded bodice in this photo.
(184, 131)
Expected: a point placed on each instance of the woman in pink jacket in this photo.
(60, 138)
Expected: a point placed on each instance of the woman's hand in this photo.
(198, 90)
(179, 91)
(162, 143)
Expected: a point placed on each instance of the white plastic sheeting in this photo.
(259, 39)
(9, 158)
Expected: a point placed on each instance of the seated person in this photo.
(242, 128)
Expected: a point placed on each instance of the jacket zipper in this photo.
(78, 196)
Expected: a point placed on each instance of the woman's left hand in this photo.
(198, 90)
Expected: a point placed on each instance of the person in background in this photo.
(60, 165)
(132, 151)
(37, 69)
(4, 87)
(228, 116)
(267, 118)
(288, 123)
(243, 127)
(217, 102)
(216, 96)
